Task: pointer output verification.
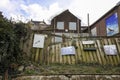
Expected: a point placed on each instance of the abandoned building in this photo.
(38, 25)
(66, 24)
(108, 24)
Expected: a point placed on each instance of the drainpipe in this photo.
(78, 26)
(54, 30)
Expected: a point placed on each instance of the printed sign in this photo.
(112, 26)
(68, 50)
(88, 42)
(110, 49)
(38, 41)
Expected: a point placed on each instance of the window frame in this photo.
(58, 25)
(72, 26)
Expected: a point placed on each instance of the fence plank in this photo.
(86, 53)
(60, 53)
(111, 57)
(78, 52)
(50, 54)
(37, 55)
(101, 52)
(64, 56)
(83, 53)
(33, 54)
(110, 41)
(98, 53)
(56, 54)
(93, 56)
(118, 43)
(118, 48)
(53, 54)
(69, 57)
(73, 57)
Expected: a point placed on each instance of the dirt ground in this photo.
(73, 69)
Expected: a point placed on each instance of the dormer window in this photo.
(60, 25)
(72, 25)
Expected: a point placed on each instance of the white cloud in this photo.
(20, 10)
(3, 3)
(95, 8)
(10, 8)
(37, 12)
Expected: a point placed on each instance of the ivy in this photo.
(10, 36)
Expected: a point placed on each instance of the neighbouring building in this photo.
(108, 24)
(66, 24)
(38, 25)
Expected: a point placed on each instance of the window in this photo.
(94, 31)
(58, 39)
(72, 25)
(60, 25)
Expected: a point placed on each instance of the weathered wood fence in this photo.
(96, 54)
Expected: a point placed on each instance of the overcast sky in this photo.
(45, 9)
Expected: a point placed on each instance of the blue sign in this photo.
(68, 50)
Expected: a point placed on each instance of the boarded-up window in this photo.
(94, 31)
(58, 39)
(72, 25)
(60, 25)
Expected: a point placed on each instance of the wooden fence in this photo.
(93, 53)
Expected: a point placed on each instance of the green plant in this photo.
(29, 71)
(98, 70)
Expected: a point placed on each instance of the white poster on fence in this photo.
(38, 41)
(68, 50)
(88, 42)
(110, 49)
